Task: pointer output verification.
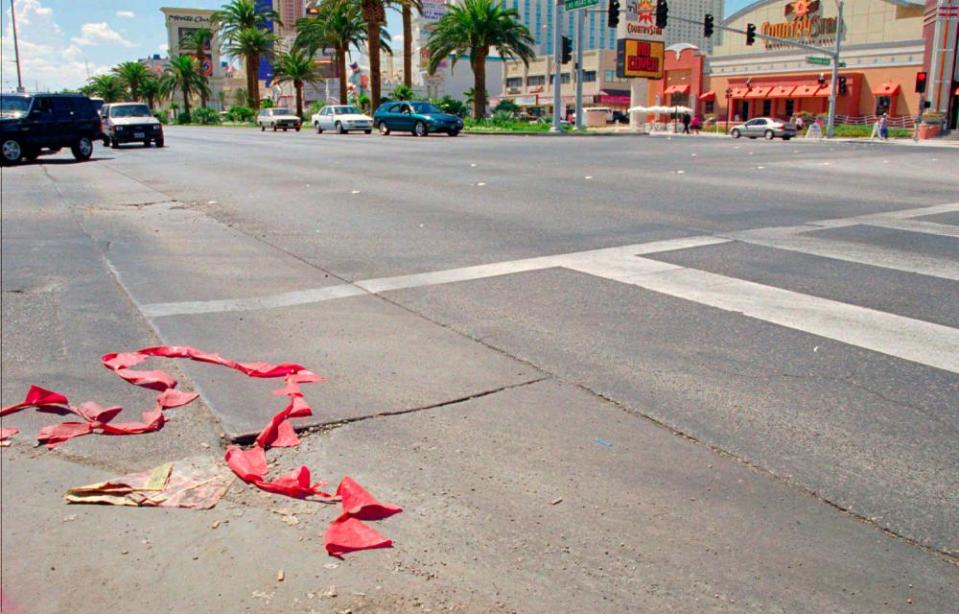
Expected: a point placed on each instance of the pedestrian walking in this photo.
(875, 130)
(696, 125)
(884, 127)
(915, 129)
(686, 121)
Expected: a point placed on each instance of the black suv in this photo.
(31, 124)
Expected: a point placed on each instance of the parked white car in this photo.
(278, 119)
(342, 118)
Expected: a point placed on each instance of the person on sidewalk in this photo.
(686, 120)
(875, 130)
(884, 127)
(696, 125)
(915, 128)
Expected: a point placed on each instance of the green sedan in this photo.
(420, 118)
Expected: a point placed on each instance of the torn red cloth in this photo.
(36, 397)
(6, 434)
(347, 534)
(250, 466)
(359, 503)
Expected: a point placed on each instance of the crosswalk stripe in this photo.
(930, 228)
(914, 340)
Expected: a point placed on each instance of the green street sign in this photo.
(572, 5)
(815, 59)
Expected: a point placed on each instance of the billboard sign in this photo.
(639, 59)
(265, 73)
(572, 5)
(433, 10)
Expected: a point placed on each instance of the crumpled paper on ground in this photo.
(196, 483)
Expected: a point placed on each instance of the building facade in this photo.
(882, 49)
(532, 86)
(940, 32)
(180, 23)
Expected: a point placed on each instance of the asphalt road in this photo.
(599, 374)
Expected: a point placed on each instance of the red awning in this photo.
(823, 92)
(677, 89)
(760, 91)
(782, 91)
(886, 89)
(738, 92)
(709, 96)
(805, 91)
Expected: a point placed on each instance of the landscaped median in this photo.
(504, 126)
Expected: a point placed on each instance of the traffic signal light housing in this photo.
(612, 15)
(750, 33)
(843, 86)
(921, 77)
(662, 13)
(822, 79)
(707, 25)
(567, 50)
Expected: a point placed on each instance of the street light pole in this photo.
(580, 26)
(16, 47)
(834, 89)
(557, 66)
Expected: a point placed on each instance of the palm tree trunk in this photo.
(478, 61)
(252, 81)
(407, 44)
(298, 86)
(199, 58)
(186, 100)
(374, 13)
(341, 68)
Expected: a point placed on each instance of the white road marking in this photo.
(285, 299)
(922, 342)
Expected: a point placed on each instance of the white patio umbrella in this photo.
(660, 109)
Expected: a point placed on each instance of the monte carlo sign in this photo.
(804, 23)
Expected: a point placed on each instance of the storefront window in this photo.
(709, 107)
(790, 107)
(883, 103)
(767, 107)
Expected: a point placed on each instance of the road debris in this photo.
(280, 576)
(6, 434)
(348, 533)
(556, 501)
(196, 483)
(603, 442)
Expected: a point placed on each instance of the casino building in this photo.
(883, 49)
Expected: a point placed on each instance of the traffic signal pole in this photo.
(834, 89)
(557, 126)
(580, 26)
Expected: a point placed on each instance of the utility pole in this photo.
(16, 47)
(580, 26)
(557, 126)
(834, 88)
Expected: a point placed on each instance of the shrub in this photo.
(266, 103)
(238, 113)
(162, 116)
(506, 106)
(206, 117)
(183, 118)
(448, 104)
(402, 92)
(315, 107)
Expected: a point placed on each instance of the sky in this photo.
(63, 42)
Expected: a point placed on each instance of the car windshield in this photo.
(424, 107)
(130, 110)
(14, 106)
(282, 112)
(345, 110)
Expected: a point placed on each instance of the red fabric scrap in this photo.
(250, 466)
(359, 503)
(36, 397)
(347, 534)
(6, 434)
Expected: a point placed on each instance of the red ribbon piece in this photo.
(359, 503)
(347, 534)
(6, 434)
(250, 466)
(36, 397)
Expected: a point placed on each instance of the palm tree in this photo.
(198, 41)
(374, 14)
(184, 74)
(402, 92)
(151, 90)
(132, 74)
(297, 67)
(241, 24)
(109, 87)
(474, 27)
(337, 25)
(407, 12)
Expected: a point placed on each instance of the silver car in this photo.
(343, 118)
(278, 119)
(765, 127)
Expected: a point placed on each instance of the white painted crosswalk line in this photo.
(914, 340)
(929, 228)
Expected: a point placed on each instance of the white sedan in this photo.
(342, 118)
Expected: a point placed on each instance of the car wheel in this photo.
(420, 129)
(384, 129)
(318, 129)
(454, 132)
(114, 143)
(786, 138)
(82, 149)
(10, 151)
(274, 127)
(368, 131)
(285, 128)
(159, 142)
(146, 142)
(769, 134)
(736, 134)
(339, 128)
(262, 128)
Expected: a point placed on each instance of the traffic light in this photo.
(921, 82)
(843, 88)
(708, 25)
(612, 16)
(750, 33)
(662, 13)
(822, 79)
(567, 50)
